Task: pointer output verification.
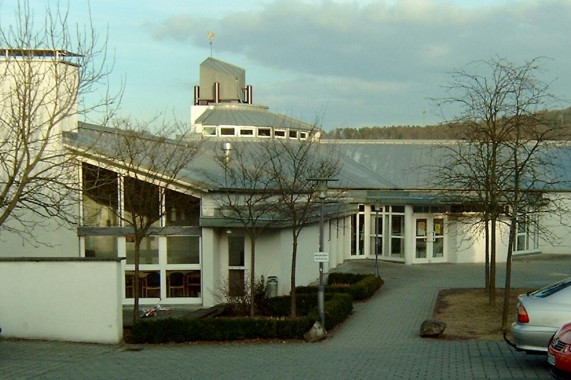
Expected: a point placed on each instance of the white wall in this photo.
(61, 299)
(466, 244)
(49, 240)
(559, 240)
(273, 257)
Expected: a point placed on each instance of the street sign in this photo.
(321, 257)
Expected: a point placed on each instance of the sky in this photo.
(342, 63)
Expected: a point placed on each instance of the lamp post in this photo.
(321, 194)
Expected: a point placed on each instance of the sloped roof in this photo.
(413, 164)
(401, 164)
(248, 115)
(395, 171)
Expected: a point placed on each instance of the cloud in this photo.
(359, 49)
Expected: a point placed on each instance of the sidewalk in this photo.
(379, 341)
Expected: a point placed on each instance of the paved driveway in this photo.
(379, 341)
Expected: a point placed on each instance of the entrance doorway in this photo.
(429, 239)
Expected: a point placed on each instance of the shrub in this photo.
(337, 278)
(225, 328)
(280, 306)
(359, 286)
(337, 308)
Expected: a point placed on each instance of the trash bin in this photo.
(272, 287)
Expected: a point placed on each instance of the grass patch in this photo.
(468, 314)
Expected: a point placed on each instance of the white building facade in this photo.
(188, 258)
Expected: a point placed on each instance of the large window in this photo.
(170, 265)
(386, 231)
(236, 266)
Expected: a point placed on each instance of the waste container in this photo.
(272, 286)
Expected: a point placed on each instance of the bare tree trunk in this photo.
(252, 276)
(492, 281)
(487, 249)
(507, 288)
(293, 295)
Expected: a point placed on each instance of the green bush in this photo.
(343, 288)
(337, 308)
(365, 288)
(359, 286)
(219, 329)
(281, 306)
(337, 278)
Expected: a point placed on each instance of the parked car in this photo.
(559, 351)
(540, 314)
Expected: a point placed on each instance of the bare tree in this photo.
(292, 163)
(247, 196)
(145, 167)
(46, 70)
(501, 167)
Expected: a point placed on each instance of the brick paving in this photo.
(379, 341)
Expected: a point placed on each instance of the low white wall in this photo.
(61, 299)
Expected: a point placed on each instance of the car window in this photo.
(551, 289)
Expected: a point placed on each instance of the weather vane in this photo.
(211, 36)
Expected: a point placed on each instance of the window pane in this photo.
(183, 250)
(102, 247)
(236, 284)
(141, 199)
(151, 284)
(376, 245)
(521, 242)
(181, 209)
(378, 225)
(192, 281)
(265, 132)
(397, 225)
(99, 197)
(397, 247)
(236, 251)
(353, 235)
(361, 234)
(149, 250)
(438, 247)
(227, 131)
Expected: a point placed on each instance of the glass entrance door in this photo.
(429, 239)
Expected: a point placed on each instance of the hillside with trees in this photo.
(430, 132)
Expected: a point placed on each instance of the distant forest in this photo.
(430, 132)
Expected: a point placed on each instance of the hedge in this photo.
(342, 289)
(218, 329)
(359, 286)
(337, 308)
